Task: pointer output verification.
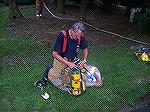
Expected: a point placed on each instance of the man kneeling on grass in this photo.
(65, 51)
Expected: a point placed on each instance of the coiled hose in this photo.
(104, 31)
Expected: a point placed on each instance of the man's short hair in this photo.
(78, 27)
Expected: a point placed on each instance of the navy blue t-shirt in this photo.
(71, 47)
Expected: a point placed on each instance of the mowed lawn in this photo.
(125, 78)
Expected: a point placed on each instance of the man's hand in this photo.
(82, 63)
(72, 65)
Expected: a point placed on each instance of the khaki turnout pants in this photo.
(55, 76)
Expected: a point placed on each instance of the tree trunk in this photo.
(83, 9)
(107, 6)
(14, 11)
(60, 6)
(143, 11)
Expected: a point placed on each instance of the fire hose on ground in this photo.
(103, 31)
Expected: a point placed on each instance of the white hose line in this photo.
(57, 16)
(104, 31)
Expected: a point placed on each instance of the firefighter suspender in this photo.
(65, 41)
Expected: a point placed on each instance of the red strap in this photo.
(64, 42)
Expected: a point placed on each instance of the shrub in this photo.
(145, 21)
(20, 2)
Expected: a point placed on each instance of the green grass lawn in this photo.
(125, 78)
(17, 45)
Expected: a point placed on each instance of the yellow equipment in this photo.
(145, 57)
(76, 82)
(143, 54)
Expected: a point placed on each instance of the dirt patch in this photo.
(39, 29)
(45, 28)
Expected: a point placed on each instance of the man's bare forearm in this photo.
(84, 54)
(59, 58)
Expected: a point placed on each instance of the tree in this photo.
(83, 9)
(107, 5)
(60, 6)
(14, 10)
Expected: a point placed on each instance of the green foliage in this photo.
(107, 5)
(6, 2)
(145, 21)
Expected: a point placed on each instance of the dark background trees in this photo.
(13, 6)
(14, 11)
(60, 6)
(105, 6)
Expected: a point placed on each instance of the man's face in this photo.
(78, 34)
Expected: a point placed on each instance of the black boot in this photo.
(39, 83)
(44, 81)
